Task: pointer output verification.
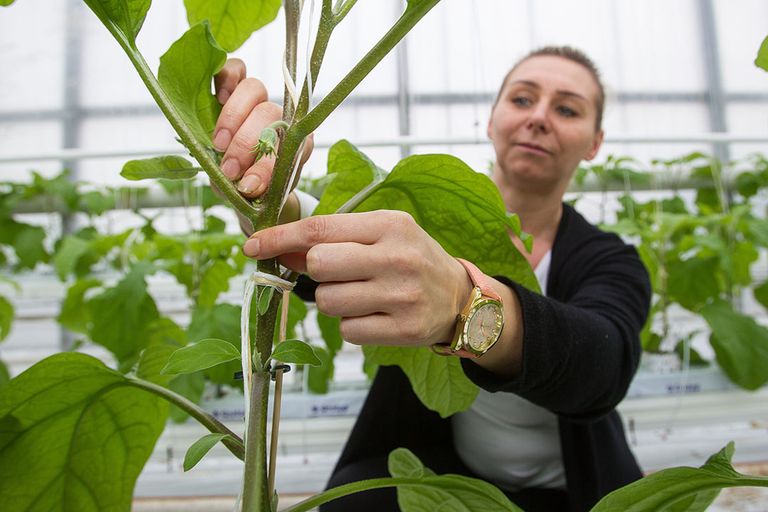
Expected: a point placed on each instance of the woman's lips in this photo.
(532, 148)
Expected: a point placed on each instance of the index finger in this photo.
(300, 236)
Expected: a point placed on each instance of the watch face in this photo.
(483, 328)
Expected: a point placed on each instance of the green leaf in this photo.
(201, 355)
(5, 375)
(692, 282)
(454, 204)
(6, 3)
(74, 315)
(681, 488)
(319, 377)
(438, 381)
(761, 294)
(297, 312)
(121, 17)
(164, 337)
(265, 297)
(6, 317)
(190, 386)
(740, 344)
(186, 73)
(199, 448)
(232, 21)
(68, 254)
(214, 281)
(27, 242)
(403, 463)
(74, 435)
(330, 330)
(165, 167)
(762, 55)
(442, 492)
(96, 203)
(221, 321)
(121, 315)
(351, 170)
(296, 352)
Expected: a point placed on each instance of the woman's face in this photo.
(543, 124)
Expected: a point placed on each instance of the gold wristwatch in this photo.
(480, 322)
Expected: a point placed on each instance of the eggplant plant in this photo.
(75, 434)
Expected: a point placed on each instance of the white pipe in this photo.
(85, 154)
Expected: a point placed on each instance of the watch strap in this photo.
(479, 279)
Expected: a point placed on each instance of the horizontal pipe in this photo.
(87, 154)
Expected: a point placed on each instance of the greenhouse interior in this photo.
(592, 174)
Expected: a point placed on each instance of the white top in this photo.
(508, 440)
(307, 203)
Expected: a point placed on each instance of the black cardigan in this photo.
(580, 351)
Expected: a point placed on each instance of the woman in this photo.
(544, 427)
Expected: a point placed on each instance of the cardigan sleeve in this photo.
(581, 344)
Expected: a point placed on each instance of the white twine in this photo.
(246, 354)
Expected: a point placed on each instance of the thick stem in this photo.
(256, 497)
(410, 17)
(196, 148)
(235, 445)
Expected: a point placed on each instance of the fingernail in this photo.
(231, 168)
(222, 139)
(251, 247)
(223, 96)
(249, 184)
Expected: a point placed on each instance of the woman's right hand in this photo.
(246, 111)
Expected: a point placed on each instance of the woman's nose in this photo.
(538, 119)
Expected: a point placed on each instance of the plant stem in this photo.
(325, 29)
(354, 487)
(256, 498)
(285, 300)
(410, 17)
(196, 148)
(235, 444)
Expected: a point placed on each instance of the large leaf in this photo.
(160, 167)
(352, 171)
(460, 208)
(123, 18)
(680, 489)
(121, 316)
(74, 435)
(438, 381)
(693, 282)
(200, 356)
(442, 492)
(186, 73)
(232, 21)
(740, 344)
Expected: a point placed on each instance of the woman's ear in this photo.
(595, 147)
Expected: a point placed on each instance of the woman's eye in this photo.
(521, 101)
(567, 111)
